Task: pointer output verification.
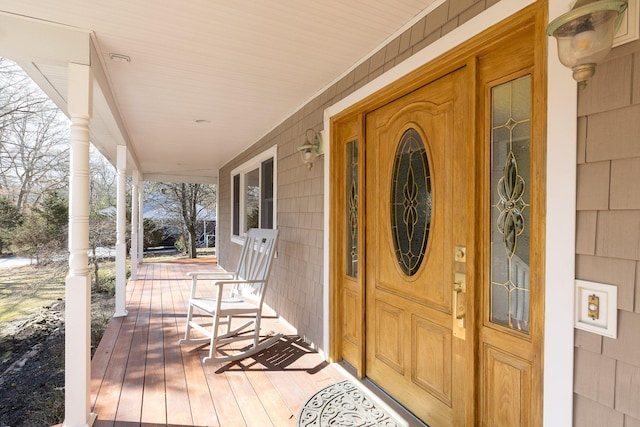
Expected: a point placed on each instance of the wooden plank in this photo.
(102, 356)
(298, 378)
(202, 408)
(279, 412)
(178, 407)
(130, 408)
(225, 405)
(229, 413)
(250, 405)
(154, 403)
(108, 397)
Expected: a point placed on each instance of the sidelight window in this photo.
(510, 198)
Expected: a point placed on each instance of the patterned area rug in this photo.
(343, 404)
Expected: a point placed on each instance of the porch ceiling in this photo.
(243, 66)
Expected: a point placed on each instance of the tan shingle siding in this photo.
(593, 186)
(582, 140)
(626, 348)
(631, 422)
(613, 134)
(608, 194)
(586, 232)
(628, 389)
(625, 183)
(589, 413)
(595, 377)
(588, 341)
(610, 88)
(618, 234)
(619, 272)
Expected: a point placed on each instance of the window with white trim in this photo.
(253, 194)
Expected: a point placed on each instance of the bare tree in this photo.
(35, 155)
(187, 202)
(103, 181)
(33, 140)
(102, 233)
(102, 215)
(19, 96)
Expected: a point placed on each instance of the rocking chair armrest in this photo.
(236, 282)
(220, 284)
(208, 275)
(212, 274)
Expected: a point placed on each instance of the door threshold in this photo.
(380, 396)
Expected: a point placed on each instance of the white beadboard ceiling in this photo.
(242, 65)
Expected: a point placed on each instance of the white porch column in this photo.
(134, 225)
(121, 229)
(78, 282)
(141, 219)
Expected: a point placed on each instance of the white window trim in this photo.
(248, 166)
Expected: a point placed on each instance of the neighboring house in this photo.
(165, 212)
(465, 184)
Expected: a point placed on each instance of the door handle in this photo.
(460, 296)
(459, 292)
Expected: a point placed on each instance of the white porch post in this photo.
(121, 226)
(141, 218)
(78, 282)
(560, 252)
(134, 225)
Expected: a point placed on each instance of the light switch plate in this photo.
(607, 295)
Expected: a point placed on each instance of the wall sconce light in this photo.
(585, 35)
(311, 148)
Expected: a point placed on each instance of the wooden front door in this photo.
(437, 232)
(419, 204)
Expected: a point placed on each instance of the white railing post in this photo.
(141, 218)
(134, 225)
(121, 229)
(78, 282)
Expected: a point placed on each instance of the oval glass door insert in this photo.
(411, 202)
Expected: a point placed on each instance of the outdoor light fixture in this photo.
(585, 35)
(311, 148)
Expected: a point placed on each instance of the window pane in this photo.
(352, 209)
(236, 205)
(266, 198)
(252, 199)
(411, 202)
(510, 223)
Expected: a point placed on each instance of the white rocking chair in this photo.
(248, 286)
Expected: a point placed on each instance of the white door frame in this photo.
(561, 192)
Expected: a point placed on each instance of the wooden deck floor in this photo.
(141, 377)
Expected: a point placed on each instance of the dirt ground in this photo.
(32, 363)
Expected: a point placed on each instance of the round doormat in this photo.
(343, 404)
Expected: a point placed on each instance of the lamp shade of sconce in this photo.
(311, 148)
(585, 35)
